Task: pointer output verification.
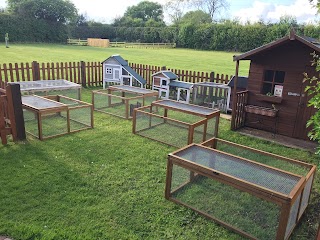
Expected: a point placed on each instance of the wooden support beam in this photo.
(15, 111)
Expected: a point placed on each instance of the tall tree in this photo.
(213, 7)
(145, 10)
(196, 17)
(175, 9)
(50, 10)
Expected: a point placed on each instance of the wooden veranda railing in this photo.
(90, 73)
(238, 119)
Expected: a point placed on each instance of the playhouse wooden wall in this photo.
(294, 59)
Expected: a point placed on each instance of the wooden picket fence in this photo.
(90, 73)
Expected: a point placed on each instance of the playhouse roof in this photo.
(180, 84)
(310, 42)
(170, 75)
(126, 66)
(241, 83)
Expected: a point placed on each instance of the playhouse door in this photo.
(116, 74)
(304, 112)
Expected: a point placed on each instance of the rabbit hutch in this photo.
(117, 71)
(168, 86)
(275, 100)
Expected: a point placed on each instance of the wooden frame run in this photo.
(109, 93)
(289, 202)
(206, 115)
(53, 105)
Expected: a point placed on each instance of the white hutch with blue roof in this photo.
(166, 81)
(117, 71)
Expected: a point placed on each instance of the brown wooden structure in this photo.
(254, 193)
(51, 116)
(175, 123)
(120, 100)
(276, 83)
(11, 115)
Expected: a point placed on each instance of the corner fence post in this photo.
(35, 71)
(15, 112)
(83, 73)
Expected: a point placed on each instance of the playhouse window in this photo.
(109, 70)
(272, 78)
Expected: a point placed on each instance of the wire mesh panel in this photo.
(306, 195)
(242, 188)
(293, 216)
(270, 160)
(55, 115)
(121, 100)
(80, 113)
(257, 217)
(174, 123)
(51, 87)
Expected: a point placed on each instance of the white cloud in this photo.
(301, 9)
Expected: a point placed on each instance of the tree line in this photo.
(42, 21)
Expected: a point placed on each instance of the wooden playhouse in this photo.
(275, 100)
(117, 71)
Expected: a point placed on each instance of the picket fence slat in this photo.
(90, 73)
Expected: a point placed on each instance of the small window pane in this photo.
(266, 88)
(268, 77)
(279, 77)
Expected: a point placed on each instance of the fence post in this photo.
(35, 71)
(83, 73)
(163, 68)
(212, 77)
(15, 111)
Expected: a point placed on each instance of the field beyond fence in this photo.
(97, 42)
(90, 73)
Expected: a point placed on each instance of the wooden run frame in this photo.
(213, 113)
(284, 201)
(141, 94)
(60, 107)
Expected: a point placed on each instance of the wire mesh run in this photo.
(257, 194)
(51, 87)
(55, 115)
(257, 217)
(121, 100)
(166, 122)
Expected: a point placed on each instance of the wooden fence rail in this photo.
(90, 73)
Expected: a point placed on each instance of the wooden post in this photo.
(163, 68)
(234, 98)
(83, 74)
(15, 111)
(35, 71)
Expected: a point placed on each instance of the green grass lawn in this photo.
(106, 183)
(186, 59)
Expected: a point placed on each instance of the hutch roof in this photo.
(125, 65)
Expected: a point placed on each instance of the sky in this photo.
(243, 10)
